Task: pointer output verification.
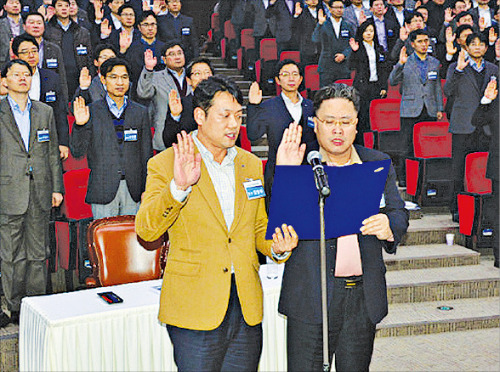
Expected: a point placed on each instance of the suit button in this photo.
(165, 214)
(229, 240)
(225, 269)
(331, 247)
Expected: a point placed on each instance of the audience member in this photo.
(32, 164)
(421, 100)
(263, 27)
(123, 37)
(157, 85)
(356, 13)
(466, 81)
(333, 33)
(271, 117)
(435, 20)
(10, 27)
(305, 21)
(483, 15)
(387, 28)
(45, 87)
(79, 15)
(115, 135)
(282, 11)
(397, 12)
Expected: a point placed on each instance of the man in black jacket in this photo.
(115, 134)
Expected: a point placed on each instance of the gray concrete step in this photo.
(439, 284)
(430, 256)
(432, 229)
(426, 317)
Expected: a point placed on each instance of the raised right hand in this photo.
(290, 151)
(403, 33)
(81, 111)
(174, 103)
(403, 57)
(298, 9)
(491, 91)
(105, 27)
(462, 62)
(85, 78)
(149, 60)
(354, 44)
(187, 164)
(98, 10)
(255, 94)
(321, 17)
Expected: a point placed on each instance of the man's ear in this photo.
(103, 80)
(315, 124)
(199, 115)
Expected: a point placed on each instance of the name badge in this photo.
(390, 33)
(50, 96)
(344, 33)
(382, 202)
(430, 50)
(42, 135)
(432, 75)
(81, 50)
(254, 189)
(52, 63)
(26, 9)
(381, 58)
(186, 31)
(434, 40)
(130, 135)
(310, 122)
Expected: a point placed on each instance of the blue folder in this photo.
(356, 194)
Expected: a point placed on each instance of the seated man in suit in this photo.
(422, 99)
(211, 298)
(115, 134)
(91, 88)
(273, 116)
(157, 85)
(45, 87)
(357, 293)
(32, 183)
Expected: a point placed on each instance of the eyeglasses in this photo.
(148, 24)
(18, 75)
(344, 122)
(173, 54)
(201, 73)
(27, 52)
(287, 74)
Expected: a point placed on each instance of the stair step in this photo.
(432, 229)
(430, 256)
(9, 348)
(425, 317)
(437, 284)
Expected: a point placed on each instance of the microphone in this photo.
(321, 178)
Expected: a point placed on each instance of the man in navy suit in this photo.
(177, 26)
(272, 117)
(45, 87)
(115, 134)
(283, 13)
(356, 286)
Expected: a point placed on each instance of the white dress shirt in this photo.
(36, 86)
(295, 109)
(372, 60)
(336, 26)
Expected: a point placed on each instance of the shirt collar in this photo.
(206, 154)
(15, 107)
(288, 101)
(475, 66)
(65, 28)
(180, 76)
(354, 159)
(112, 104)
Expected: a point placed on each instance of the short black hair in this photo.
(336, 90)
(197, 60)
(100, 47)
(171, 44)
(474, 36)
(55, 1)
(462, 28)
(460, 15)
(145, 15)
(207, 89)
(16, 42)
(12, 62)
(330, 2)
(285, 62)
(111, 63)
(32, 13)
(414, 34)
(412, 15)
(125, 6)
(372, 1)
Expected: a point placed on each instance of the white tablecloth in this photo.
(78, 331)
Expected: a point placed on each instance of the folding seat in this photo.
(71, 162)
(428, 174)
(214, 34)
(476, 207)
(393, 92)
(311, 79)
(245, 143)
(247, 54)
(290, 54)
(264, 67)
(231, 44)
(345, 81)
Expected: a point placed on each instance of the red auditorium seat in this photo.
(289, 54)
(244, 141)
(428, 174)
(311, 79)
(345, 81)
(475, 206)
(264, 67)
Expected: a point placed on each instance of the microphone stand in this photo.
(324, 296)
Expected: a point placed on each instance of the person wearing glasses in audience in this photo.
(31, 174)
(357, 293)
(157, 85)
(271, 117)
(45, 87)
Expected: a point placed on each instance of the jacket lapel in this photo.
(10, 123)
(33, 125)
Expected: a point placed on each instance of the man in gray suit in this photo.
(30, 184)
(422, 99)
(157, 85)
(10, 26)
(262, 27)
(466, 81)
(357, 13)
(115, 134)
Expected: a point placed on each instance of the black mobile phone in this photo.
(110, 297)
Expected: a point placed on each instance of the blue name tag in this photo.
(52, 63)
(429, 49)
(26, 9)
(254, 189)
(434, 40)
(81, 50)
(390, 33)
(186, 31)
(50, 96)
(130, 135)
(432, 75)
(487, 232)
(310, 122)
(381, 58)
(344, 33)
(43, 135)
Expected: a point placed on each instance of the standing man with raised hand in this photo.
(115, 135)
(31, 183)
(422, 99)
(211, 298)
(10, 27)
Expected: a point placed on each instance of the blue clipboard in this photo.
(356, 194)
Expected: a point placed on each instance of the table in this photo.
(77, 331)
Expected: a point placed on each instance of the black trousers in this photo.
(350, 332)
(368, 92)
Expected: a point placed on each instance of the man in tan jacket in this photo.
(208, 194)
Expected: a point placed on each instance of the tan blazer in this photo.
(197, 280)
